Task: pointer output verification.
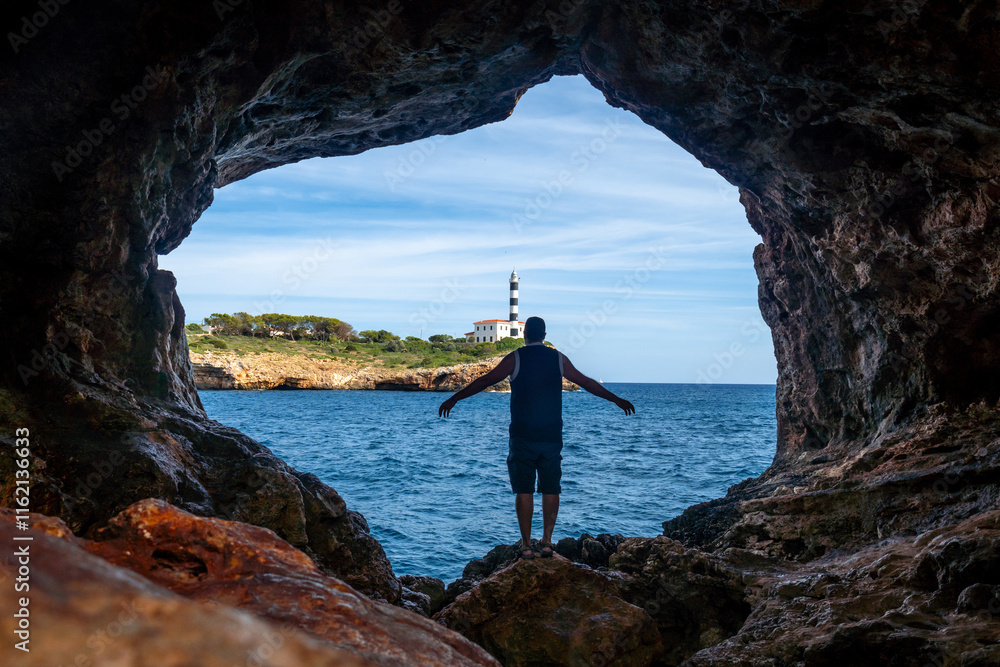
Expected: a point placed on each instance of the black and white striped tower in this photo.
(513, 304)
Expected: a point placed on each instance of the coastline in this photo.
(220, 370)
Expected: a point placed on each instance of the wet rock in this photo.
(590, 550)
(551, 611)
(431, 588)
(418, 603)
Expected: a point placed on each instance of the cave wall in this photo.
(863, 138)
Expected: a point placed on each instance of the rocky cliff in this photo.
(213, 370)
(864, 137)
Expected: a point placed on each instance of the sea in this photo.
(435, 491)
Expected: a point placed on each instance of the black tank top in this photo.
(536, 394)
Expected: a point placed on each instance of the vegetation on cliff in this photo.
(329, 338)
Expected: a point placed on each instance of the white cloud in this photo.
(393, 248)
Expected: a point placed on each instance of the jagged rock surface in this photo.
(549, 611)
(252, 569)
(925, 600)
(84, 610)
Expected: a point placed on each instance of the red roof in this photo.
(488, 321)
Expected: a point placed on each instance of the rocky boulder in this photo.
(588, 550)
(914, 601)
(252, 569)
(426, 594)
(554, 612)
(696, 599)
(84, 610)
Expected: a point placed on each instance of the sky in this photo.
(638, 258)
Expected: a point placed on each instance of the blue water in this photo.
(435, 491)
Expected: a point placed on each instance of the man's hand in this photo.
(626, 406)
(446, 407)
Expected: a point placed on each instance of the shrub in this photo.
(218, 342)
(509, 344)
(394, 346)
(350, 347)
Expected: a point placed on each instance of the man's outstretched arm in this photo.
(499, 372)
(593, 386)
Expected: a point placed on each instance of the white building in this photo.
(490, 331)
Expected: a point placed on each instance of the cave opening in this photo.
(636, 255)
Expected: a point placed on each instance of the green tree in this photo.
(439, 338)
(281, 322)
(345, 331)
(380, 336)
(222, 323)
(244, 323)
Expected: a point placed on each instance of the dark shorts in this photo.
(528, 459)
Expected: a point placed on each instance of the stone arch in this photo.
(869, 170)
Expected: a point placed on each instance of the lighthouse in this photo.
(513, 304)
(492, 331)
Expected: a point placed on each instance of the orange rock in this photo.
(86, 611)
(252, 569)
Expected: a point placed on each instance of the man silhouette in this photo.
(536, 374)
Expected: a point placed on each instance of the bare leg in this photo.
(550, 510)
(524, 504)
